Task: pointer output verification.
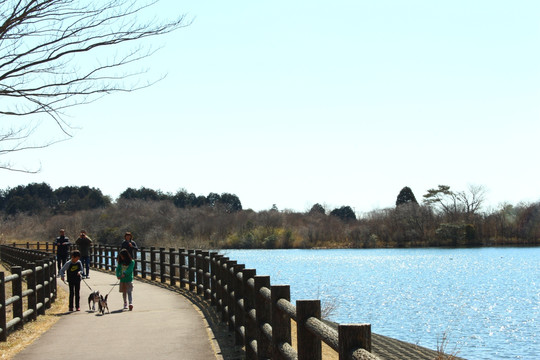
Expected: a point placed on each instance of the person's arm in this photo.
(118, 270)
(81, 268)
(64, 268)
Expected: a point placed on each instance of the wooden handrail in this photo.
(258, 313)
(40, 278)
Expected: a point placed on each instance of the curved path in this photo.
(162, 325)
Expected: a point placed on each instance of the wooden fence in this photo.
(40, 278)
(258, 313)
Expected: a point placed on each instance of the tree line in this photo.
(444, 217)
(36, 198)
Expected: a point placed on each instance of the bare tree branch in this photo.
(52, 57)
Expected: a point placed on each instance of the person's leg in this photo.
(86, 264)
(63, 261)
(59, 262)
(71, 295)
(130, 296)
(77, 289)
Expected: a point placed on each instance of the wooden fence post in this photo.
(263, 310)
(250, 339)
(191, 269)
(214, 260)
(143, 262)
(220, 283)
(100, 256)
(17, 291)
(93, 256)
(162, 265)
(281, 323)
(50, 277)
(236, 298)
(229, 288)
(108, 257)
(352, 337)
(42, 293)
(3, 317)
(199, 271)
(172, 268)
(152, 263)
(181, 266)
(206, 275)
(309, 345)
(52, 273)
(31, 285)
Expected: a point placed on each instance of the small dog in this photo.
(94, 299)
(103, 304)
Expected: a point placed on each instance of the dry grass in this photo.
(441, 349)
(18, 340)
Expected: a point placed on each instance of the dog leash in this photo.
(113, 287)
(92, 290)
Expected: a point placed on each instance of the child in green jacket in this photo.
(124, 272)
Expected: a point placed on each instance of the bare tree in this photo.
(56, 54)
(454, 204)
(472, 199)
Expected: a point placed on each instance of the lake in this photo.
(484, 301)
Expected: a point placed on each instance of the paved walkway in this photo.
(162, 325)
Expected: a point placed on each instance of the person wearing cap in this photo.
(130, 245)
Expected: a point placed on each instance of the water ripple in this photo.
(485, 301)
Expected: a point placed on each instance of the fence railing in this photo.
(44, 246)
(39, 275)
(258, 313)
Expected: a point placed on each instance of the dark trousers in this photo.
(61, 260)
(86, 264)
(75, 292)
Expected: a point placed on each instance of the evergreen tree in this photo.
(345, 213)
(317, 209)
(405, 196)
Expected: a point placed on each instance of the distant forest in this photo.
(444, 218)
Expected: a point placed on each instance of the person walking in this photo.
(75, 272)
(130, 245)
(124, 272)
(62, 249)
(85, 244)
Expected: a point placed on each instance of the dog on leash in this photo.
(103, 304)
(94, 299)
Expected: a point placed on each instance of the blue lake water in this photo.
(485, 301)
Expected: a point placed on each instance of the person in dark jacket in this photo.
(62, 249)
(85, 244)
(75, 272)
(130, 245)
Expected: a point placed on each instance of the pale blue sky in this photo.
(334, 102)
